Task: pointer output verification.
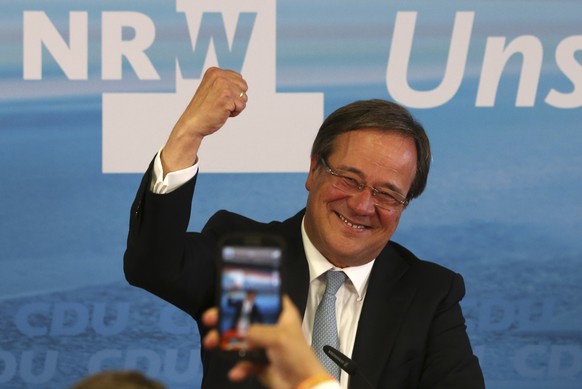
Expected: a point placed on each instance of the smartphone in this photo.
(250, 285)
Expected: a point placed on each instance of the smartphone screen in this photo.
(250, 288)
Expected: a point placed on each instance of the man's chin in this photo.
(349, 257)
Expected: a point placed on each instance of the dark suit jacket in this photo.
(411, 332)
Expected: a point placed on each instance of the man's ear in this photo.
(311, 174)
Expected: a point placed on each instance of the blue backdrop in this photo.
(503, 204)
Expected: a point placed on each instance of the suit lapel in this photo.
(385, 305)
(296, 279)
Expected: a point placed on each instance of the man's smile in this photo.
(351, 224)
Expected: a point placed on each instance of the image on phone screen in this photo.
(250, 291)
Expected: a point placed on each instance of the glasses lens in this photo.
(386, 200)
(348, 184)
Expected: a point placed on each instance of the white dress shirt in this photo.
(173, 180)
(349, 298)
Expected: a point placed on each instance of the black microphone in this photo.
(345, 363)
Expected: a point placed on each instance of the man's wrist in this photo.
(161, 184)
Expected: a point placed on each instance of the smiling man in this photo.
(398, 317)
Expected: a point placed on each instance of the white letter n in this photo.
(39, 30)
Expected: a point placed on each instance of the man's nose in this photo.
(362, 202)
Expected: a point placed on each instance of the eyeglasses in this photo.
(385, 198)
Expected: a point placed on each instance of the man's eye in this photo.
(351, 182)
(386, 197)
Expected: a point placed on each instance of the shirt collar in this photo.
(318, 265)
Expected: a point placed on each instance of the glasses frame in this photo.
(359, 186)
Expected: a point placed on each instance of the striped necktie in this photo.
(325, 323)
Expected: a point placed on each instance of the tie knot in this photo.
(334, 280)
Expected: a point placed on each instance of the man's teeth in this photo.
(346, 221)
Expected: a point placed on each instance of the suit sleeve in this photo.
(449, 361)
(162, 257)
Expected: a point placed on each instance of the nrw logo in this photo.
(272, 135)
